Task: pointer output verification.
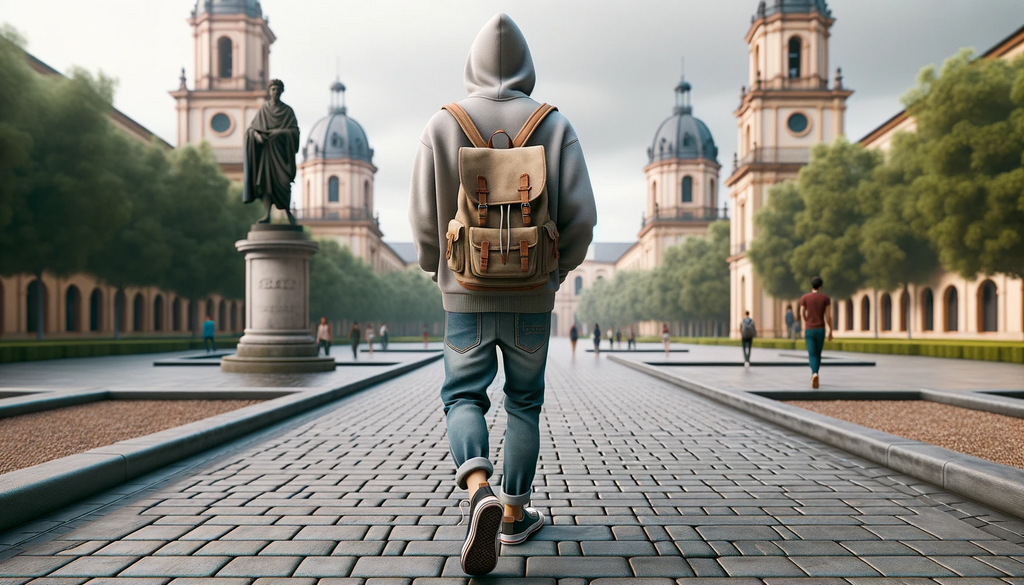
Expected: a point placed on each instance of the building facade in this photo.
(788, 108)
(336, 176)
(232, 70)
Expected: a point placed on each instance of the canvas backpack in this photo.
(502, 237)
(747, 328)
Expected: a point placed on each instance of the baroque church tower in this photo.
(788, 108)
(232, 69)
(682, 185)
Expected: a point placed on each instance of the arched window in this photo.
(988, 307)
(743, 296)
(176, 315)
(209, 308)
(687, 189)
(886, 312)
(750, 145)
(904, 311)
(757, 60)
(951, 314)
(234, 316)
(158, 313)
(120, 307)
(865, 313)
(712, 194)
(95, 310)
(848, 303)
(225, 60)
(193, 316)
(332, 190)
(138, 313)
(835, 315)
(36, 312)
(222, 316)
(367, 196)
(927, 310)
(654, 194)
(578, 284)
(794, 57)
(72, 309)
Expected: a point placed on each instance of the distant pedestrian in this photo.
(666, 339)
(209, 327)
(611, 338)
(597, 339)
(748, 331)
(354, 334)
(631, 340)
(384, 336)
(426, 338)
(323, 337)
(816, 316)
(618, 337)
(790, 320)
(369, 337)
(574, 336)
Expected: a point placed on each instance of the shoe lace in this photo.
(462, 511)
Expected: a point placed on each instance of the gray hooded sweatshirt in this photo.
(499, 78)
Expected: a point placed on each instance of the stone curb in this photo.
(28, 493)
(998, 486)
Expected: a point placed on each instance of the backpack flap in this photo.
(503, 171)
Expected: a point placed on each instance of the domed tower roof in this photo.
(681, 136)
(247, 7)
(337, 136)
(770, 7)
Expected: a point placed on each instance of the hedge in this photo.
(27, 351)
(992, 351)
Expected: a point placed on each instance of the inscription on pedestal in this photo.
(280, 283)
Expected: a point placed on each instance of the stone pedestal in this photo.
(277, 337)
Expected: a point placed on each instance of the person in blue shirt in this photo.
(208, 331)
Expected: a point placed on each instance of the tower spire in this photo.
(337, 98)
(683, 105)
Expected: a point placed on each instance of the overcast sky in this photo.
(609, 66)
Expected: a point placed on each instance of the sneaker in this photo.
(480, 551)
(814, 380)
(517, 531)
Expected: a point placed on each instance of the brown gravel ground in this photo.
(995, 437)
(31, 439)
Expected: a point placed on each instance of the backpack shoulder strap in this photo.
(531, 124)
(467, 125)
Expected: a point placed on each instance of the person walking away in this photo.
(666, 339)
(611, 338)
(597, 339)
(426, 338)
(631, 340)
(574, 336)
(323, 337)
(618, 337)
(369, 338)
(467, 201)
(790, 318)
(748, 331)
(816, 316)
(384, 336)
(209, 329)
(353, 335)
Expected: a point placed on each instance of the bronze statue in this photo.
(271, 142)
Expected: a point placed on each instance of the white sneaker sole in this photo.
(520, 538)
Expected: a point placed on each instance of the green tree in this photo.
(705, 281)
(772, 249)
(969, 197)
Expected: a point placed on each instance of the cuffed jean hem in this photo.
(510, 500)
(471, 465)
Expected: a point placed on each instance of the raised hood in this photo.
(499, 65)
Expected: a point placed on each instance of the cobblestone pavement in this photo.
(891, 372)
(138, 372)
(643, 481)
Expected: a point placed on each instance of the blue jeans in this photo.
(470, 365)
(209, 344)
(815, 340)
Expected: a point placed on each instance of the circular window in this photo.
(798, 123)
(221, 123)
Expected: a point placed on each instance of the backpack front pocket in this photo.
(504, 253)
(456, 252)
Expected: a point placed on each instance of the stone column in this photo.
(277, 337)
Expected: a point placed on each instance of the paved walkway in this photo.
(641, 479)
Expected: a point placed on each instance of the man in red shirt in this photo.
(814, 308)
